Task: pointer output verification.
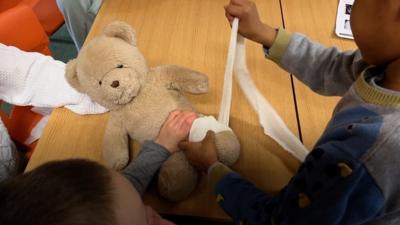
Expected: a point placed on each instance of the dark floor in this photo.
(186, 220)
(61, 45)
(63, 49)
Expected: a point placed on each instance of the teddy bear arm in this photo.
(115, 146)
(184, 79)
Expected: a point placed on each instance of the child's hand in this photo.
(175, 129)
(250, 25)
(201, 154)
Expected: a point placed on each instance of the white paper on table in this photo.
(343, 27)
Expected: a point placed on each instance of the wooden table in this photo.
(195, 34)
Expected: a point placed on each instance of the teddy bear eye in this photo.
(120, 66)
(100, 82)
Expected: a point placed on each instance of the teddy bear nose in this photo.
(115, 84)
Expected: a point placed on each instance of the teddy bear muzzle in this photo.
(120, 93)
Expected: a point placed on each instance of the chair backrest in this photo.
(46, 10)
(7, 4)
(20, 27)
(19, 121)
(48, 13)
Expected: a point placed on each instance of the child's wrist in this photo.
(210, 168)
(210, 162)
(267, 35)
(166, 145)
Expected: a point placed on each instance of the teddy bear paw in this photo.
(202, 87)
(118, 164)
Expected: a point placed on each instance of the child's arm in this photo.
(153, 153)
(325, 70)
(330, 188)
(30, 78)
(142, 169)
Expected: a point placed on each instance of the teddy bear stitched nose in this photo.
(115, 84)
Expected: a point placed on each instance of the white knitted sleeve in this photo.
(28, 78)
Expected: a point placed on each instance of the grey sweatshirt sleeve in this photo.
(142, 169)
(327, 71)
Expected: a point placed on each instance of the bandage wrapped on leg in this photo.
(227, 144)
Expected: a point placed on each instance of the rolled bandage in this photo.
(201, 125)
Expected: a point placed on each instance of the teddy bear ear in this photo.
(122, 30)
(71, 75)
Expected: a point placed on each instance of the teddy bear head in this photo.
(110, 68)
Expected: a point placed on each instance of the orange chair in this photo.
(26, 24)
(6, 4)
(20, 27)
(46, 11)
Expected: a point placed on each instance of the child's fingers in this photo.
(229, 17)
(191, 147)
(187, 124)
(184, 130)
(185, 114)
(191, 119)
(176, 121)
(181, 119)
(210, 137)
(237, 2)
(172, 115)
(234, 11)
(184, 145)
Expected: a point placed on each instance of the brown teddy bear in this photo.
(113, 72)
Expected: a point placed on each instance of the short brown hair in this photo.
(71, 192)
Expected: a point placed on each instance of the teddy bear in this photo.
(113, 72)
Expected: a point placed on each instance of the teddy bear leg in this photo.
(116, 159)
(177, 178)
(227, 144)
(115, 146)
(228, 147)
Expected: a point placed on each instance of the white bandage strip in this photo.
(226, 101)
(269, 119)
(201, 125)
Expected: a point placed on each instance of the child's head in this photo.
(376, 28)
(71, 192)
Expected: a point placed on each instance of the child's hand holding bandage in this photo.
(201, 154)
